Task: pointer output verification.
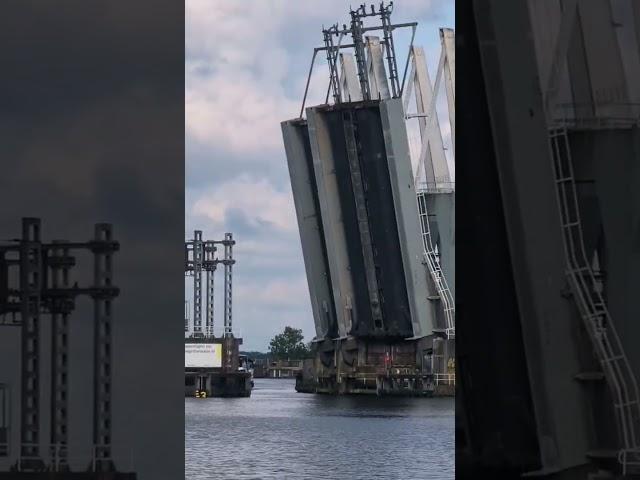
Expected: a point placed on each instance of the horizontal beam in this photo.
(94, 246)
(345, 31)
(97, 292)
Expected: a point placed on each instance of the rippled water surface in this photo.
(280, 434)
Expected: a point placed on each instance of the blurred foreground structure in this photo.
(35, 283)
(377, 235)
(554, 142)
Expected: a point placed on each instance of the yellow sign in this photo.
(201, 394)
(203, 355)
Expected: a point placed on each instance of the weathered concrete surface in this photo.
(366, 214)
(314, 250)
(374, 367)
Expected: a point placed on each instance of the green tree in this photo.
(289, 345)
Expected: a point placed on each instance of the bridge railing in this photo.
(444, 378)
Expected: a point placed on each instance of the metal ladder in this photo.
(593, 308)
(433, 263)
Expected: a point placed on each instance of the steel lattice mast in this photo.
(200, 257)
(43, 288)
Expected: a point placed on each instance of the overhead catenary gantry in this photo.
(200, 257)
(362, 47)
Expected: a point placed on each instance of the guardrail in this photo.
(582, 116)
(435, 187)
(444, 378)
(58, 458)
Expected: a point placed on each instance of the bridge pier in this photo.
(356, 366)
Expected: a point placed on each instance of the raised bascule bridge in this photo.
(376, 221)
(554, 140)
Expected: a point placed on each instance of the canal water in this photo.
(280, 434)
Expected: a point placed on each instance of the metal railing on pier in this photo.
(444, 379)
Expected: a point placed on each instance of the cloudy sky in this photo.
(246, 66)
